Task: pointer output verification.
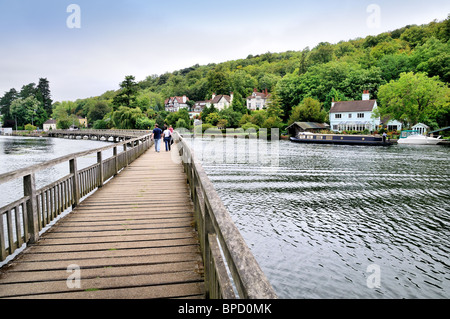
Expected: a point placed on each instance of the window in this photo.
(338, 116)
(350, 116)
(360, 115)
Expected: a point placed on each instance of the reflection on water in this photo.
(18, 153)
(320, 219)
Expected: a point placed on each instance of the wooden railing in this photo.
(22, 221)
(123, 134)
(224, 249)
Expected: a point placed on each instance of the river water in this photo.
(322, 221)
(329, 221)
(19, 152)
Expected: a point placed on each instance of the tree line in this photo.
(407, 70)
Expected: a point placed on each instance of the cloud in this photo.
(142, 38)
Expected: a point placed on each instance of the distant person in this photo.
(156, 135)
(167, 139)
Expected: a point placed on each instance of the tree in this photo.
(25, 110)
(98, 111)
(144, 123)
(127, 93)
(323, 53)
(259, 117)
(231, 117)
(238, 104)
(28, 90)
(5, 104)
(43, 95)
(126, 118)
(433, 57)
(415, 98)
(218, 81)
(63, 123)
(64, 108)
(213, 119)
(335, 95)
(208, 110)
(181, 123)
(310, 110)
(173, 118)
(274, 106)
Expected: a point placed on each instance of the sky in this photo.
(88, 49)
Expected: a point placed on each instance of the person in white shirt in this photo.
(167, 134)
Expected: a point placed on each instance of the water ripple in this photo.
(328, 212)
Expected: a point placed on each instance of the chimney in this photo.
(213, 96)
(332, 102)
(366, 96)
(184, 99)
(231, 97)
(255, 90)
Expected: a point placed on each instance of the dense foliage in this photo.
(302, 83)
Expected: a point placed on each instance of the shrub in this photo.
(249, 125)
(30, 127)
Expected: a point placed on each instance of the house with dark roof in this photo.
(176, 103)
(49, 125)
(311, 127)
(258, 100)
(358, 116)
(221, 102)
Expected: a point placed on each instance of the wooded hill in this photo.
(341, 71)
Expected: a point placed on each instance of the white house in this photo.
(258, 100)
(221, 102)
(49, 125)
(357, 116)
(6, 131)
(176, 103)
(421, 128)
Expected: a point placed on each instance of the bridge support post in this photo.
(29, 189)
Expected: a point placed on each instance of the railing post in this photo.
(101, 175)
(75, 183)
(126, 154)
(29, 189)
(116, 161)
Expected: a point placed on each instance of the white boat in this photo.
(418, 139)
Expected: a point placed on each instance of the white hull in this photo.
(420, 140)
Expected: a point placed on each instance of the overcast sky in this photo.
(41, 39)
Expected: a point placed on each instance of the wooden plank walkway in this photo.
(132, 239)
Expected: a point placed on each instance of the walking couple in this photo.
(166, 134)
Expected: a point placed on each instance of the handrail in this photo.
(219, 236)
(26, 217)
(122, 133)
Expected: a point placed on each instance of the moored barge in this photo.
(339, 139)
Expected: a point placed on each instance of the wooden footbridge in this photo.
(152, 227)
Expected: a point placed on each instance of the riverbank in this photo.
(190, 135)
